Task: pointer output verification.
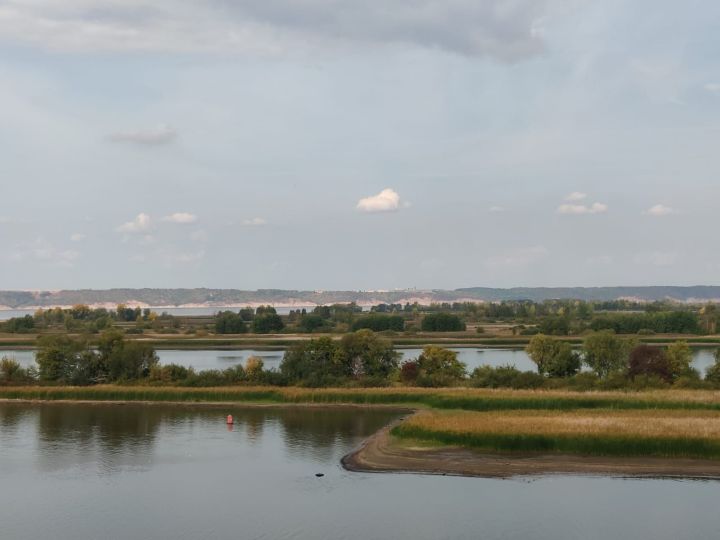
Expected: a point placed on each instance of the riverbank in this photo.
(468, 399)
(383, 452)
(469, 432)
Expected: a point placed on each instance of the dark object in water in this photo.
(319, 475)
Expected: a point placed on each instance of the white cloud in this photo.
(159, 135)
(507, 30)
(576, 196)
(579, 209)
(518, 257)
(497, 209)
(41, 251)
(657, 258)
(254, 222)
(141, 223)
(181, 217)
(386, 201)
(713, 87)
(77, 237)
(660, 210)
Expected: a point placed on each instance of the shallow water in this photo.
(128, 472)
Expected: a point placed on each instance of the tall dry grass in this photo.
(664, 433)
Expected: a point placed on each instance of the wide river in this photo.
(473, 357)
(80, 472)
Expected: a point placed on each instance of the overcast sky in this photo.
(337, 144)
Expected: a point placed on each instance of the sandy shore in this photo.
(384, 453)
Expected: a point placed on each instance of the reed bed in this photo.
(658, 433)
(456, 398)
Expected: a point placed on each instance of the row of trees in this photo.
(606, 353)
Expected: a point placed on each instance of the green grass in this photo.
(671, 447)
(463, 399)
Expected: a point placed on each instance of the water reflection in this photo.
(114, 438)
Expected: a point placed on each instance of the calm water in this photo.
(471, 356)
(126, 472)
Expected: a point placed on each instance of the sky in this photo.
(336, 144)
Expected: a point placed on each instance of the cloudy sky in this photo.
(324, 144)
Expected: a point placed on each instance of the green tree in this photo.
(317, 362)
(606, 353)
(679, 356)
(442, 322)
(378, 322)
(366, 354)
(130, 361)
(311, 322)
(438, 361)
(267, 323)
(542, 349)
(58, 357)
(227, 322)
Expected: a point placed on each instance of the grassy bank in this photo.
(658, 433)
(457, 398)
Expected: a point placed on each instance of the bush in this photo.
(494, 377)
(506, 377)
(409, 371)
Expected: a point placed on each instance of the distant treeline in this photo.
(554, 317)
(366, 359)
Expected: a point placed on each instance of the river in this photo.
(74, 472)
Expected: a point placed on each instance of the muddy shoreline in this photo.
(383, 453)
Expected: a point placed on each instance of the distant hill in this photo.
(279, 297)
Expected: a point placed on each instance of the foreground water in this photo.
(473, 357)
(157, 472)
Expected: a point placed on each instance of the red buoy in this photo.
(230, 419)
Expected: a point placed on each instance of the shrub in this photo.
(409, 371)
(254, 369)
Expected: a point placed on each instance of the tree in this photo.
(58, 357)
(378, 322)
(130, 360)
(679, 357)
(317, 361)
(553, 357)
(712, 374)
(267, 323)
(565, 363)
(310, 323)
(442, 322)
(542, 349)
(227, 322)
(606, 353)
(366, 354)
(442, 362)
(647, 360)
